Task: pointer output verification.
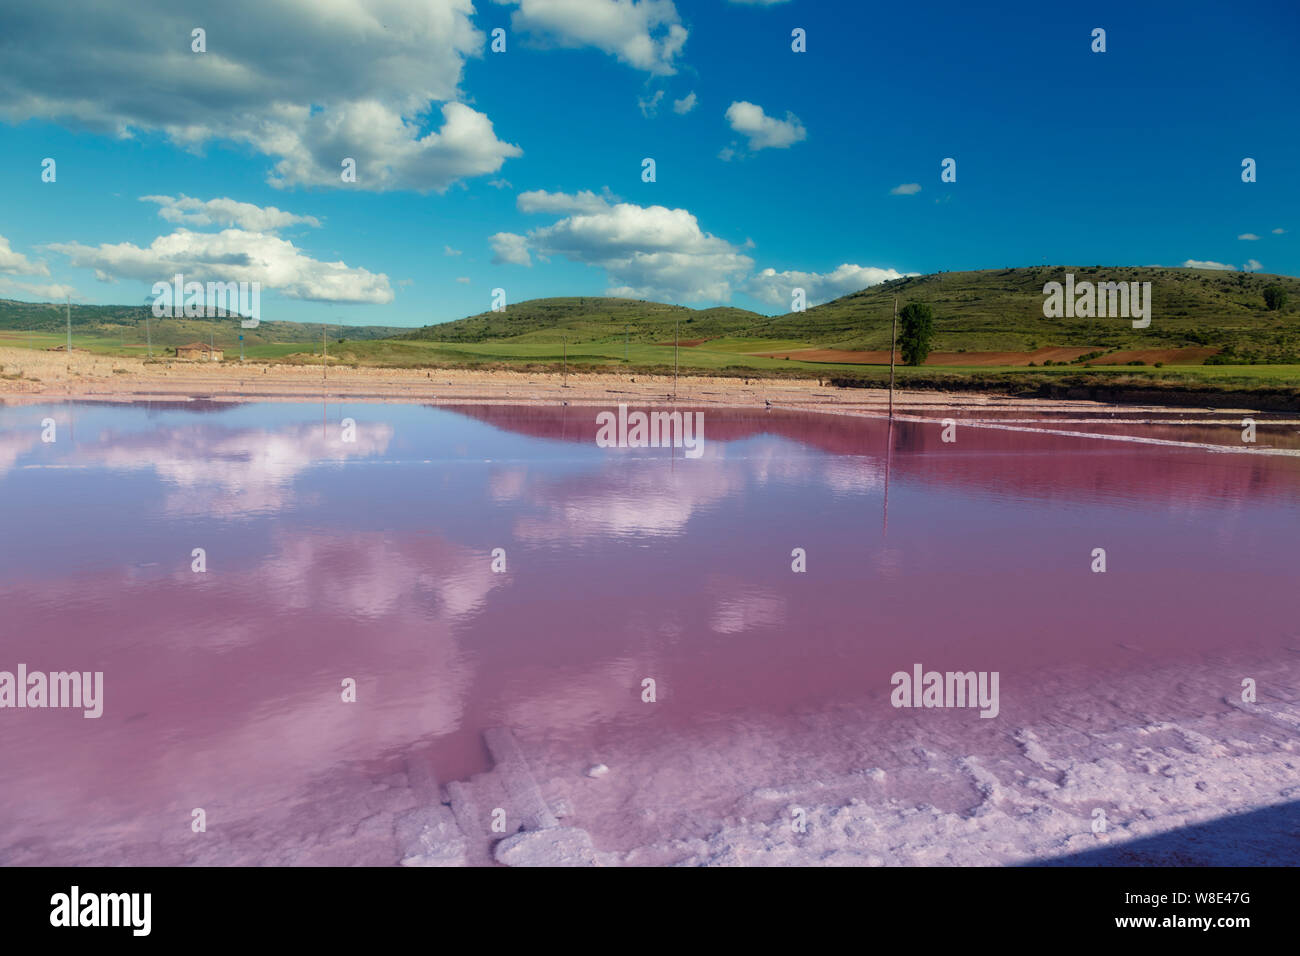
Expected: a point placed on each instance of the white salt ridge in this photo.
(725, 794)
(1151, 778)
(1243, 449)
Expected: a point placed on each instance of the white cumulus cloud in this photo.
(388, 148)
(539, 200)
(645, 34)
(906, 189)
(232, 255)
(508, 248)
(306, 85)
(15, 263)
(774, 288)
(763, 131)
(685, 104)
(648, 252)
(187, 211)
(52, 290)
(1208, 264)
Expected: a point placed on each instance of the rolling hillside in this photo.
(124, 326)
(996, 311)
(591, 319)
(1002, 310)
(1209, 330)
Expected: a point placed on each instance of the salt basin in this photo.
(492, 566)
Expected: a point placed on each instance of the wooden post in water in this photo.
(893, 341)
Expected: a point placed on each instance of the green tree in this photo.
(1274, 297)
(918, 330)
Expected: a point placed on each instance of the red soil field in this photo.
(1179, 356)
(1186, 356)
(881, 357)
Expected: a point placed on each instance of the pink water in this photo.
(372, 560)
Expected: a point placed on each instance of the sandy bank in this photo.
(37, 376)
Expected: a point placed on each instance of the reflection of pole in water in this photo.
(889, 454)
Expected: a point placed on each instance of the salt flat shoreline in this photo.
(1206, 783)
(45, 376)
(876, 788)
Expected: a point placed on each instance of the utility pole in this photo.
(626, 330)
(564, 381)
(676, 328)
(212, 345)
(69, 307)
(324, 354)
(893, 340)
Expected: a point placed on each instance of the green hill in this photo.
(124, 325)
(1210, 331)
(591, 319)
(1002, 309)
(994, 310)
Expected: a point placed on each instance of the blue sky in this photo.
(523, 170)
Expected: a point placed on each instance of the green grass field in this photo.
(992, 310)
(720, 356)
